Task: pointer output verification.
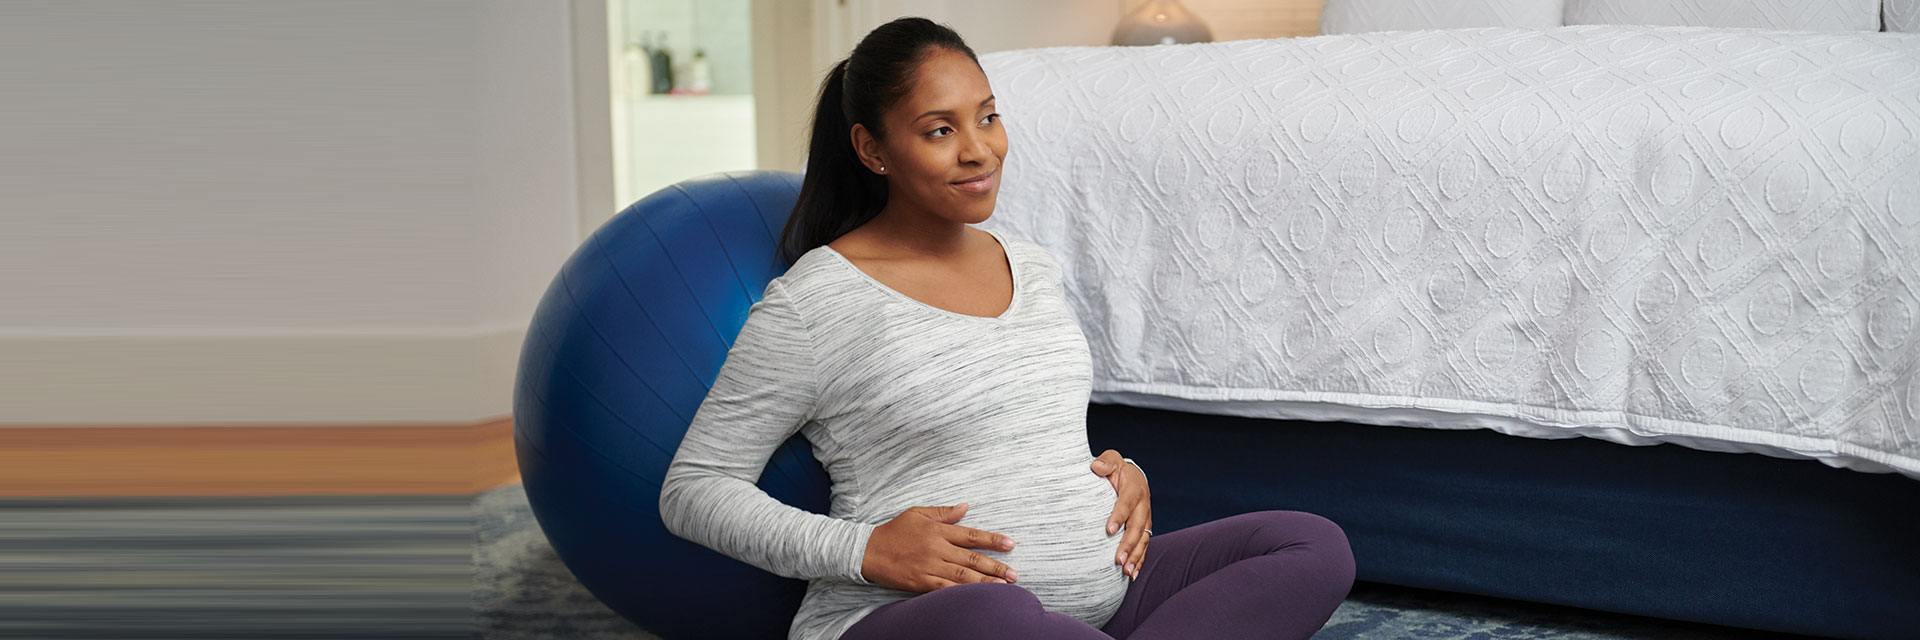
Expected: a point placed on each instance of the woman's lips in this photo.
(979, 186)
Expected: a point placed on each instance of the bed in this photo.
(1620, 317)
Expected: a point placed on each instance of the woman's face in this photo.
(941, 136)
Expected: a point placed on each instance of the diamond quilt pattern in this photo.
(1817, 15)
(1643, 234)
(1361, 16)
(1902, 16)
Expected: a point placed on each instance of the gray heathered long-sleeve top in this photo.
(905, 405)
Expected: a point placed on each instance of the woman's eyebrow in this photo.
(945, 112)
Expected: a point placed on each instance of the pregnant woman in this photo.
(943, 383)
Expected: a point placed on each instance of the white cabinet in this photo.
(671, 138)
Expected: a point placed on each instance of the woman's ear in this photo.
(868, 149)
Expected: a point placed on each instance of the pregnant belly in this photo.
(1057, 518)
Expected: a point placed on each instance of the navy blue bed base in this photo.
(1743, 540)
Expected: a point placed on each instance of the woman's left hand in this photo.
(1132, 507)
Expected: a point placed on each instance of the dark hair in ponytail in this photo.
(839, 194)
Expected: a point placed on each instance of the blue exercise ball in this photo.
(619, 356)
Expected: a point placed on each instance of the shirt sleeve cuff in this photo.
(862, 533)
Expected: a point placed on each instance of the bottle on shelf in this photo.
(662, 67)
(700, 74)
(640, 67)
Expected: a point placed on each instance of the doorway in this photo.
(682, 92)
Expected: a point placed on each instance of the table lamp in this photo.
(1160, 22)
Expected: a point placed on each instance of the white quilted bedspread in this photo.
(1641, 234)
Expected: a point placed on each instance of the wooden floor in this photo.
(256, 460)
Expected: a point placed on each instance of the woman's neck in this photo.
(920, 235)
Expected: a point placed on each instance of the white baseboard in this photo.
(452, 376)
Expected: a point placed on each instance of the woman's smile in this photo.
(979, 185)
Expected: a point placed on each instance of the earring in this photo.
(883, 169)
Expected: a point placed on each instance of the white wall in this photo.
(307, 211)
(1000, 25)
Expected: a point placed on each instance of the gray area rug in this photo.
(333, 567)
(522, 591)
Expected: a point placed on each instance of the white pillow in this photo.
(1799, 15)
(1903, 15)
(1360, 16)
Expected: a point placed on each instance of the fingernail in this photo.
(1123, 557)
(1111, 526)
(1013, 575)
(1134, 569)
(1006, 542)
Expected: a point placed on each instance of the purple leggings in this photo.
(1265, 574)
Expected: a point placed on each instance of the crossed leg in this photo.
(1264, 574)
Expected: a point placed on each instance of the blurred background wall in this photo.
(344, 211)
(334, 211)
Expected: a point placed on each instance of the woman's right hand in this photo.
(922, 550)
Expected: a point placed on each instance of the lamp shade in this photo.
(1161, 22)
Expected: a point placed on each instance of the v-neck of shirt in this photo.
(1013, 271)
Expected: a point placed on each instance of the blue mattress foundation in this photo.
(1744, 540)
